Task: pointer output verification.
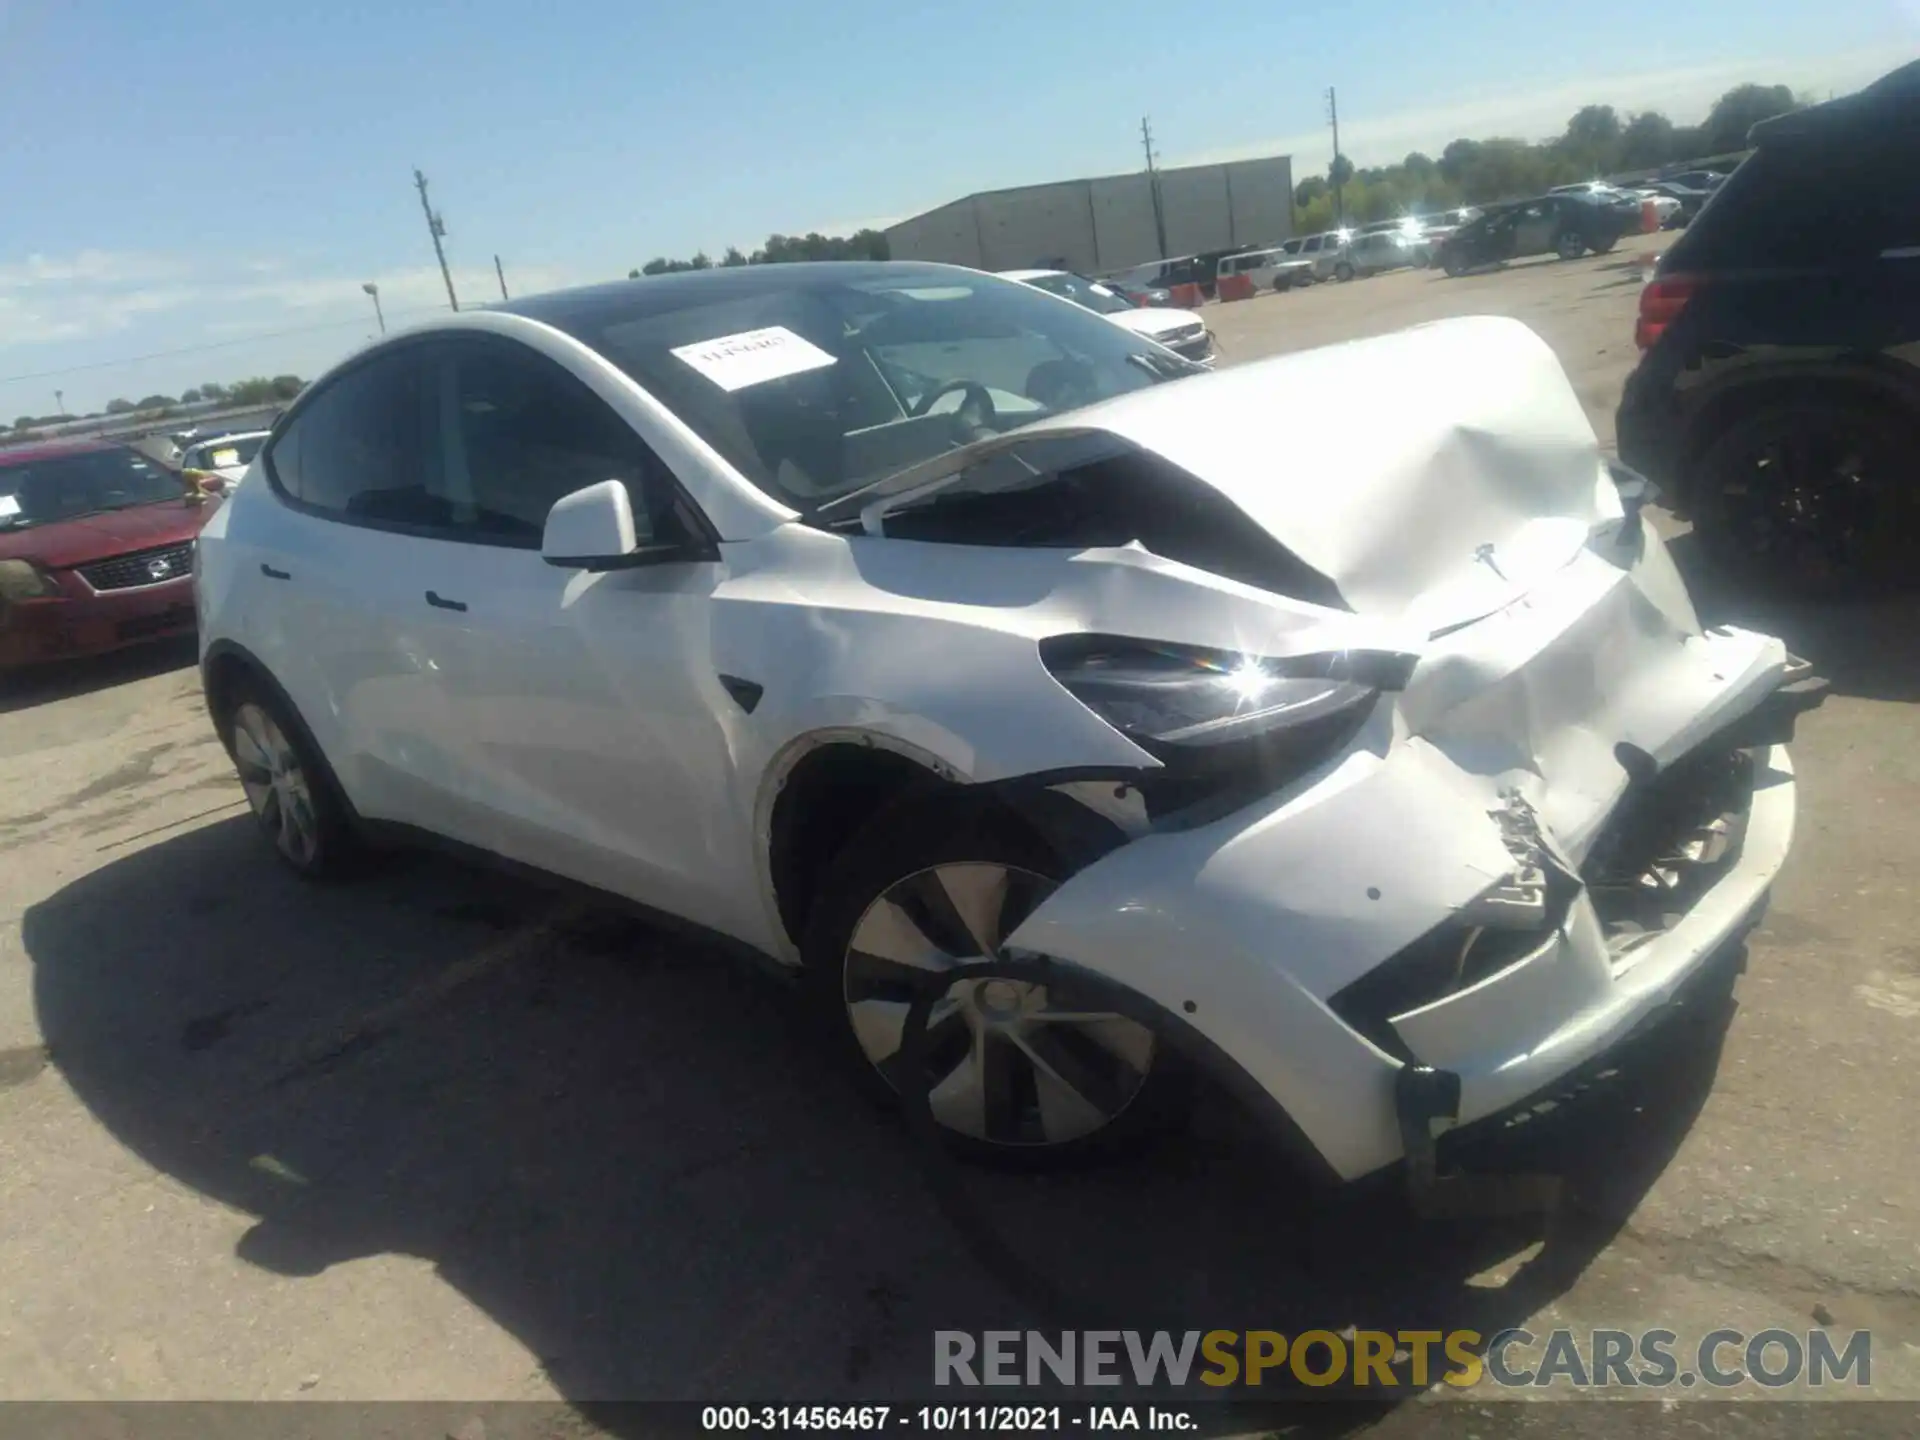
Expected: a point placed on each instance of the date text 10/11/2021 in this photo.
(1036, 1419)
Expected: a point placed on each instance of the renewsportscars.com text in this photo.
(1383, 1359)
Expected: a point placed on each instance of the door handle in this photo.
(442, 603)
(273, 574)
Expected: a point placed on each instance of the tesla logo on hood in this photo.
(1483, 555)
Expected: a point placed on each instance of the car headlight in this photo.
(23, 580)
(1175, 699)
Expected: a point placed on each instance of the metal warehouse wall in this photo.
(1262, 200)
(1106, 224)
(948, 235)
(1037, 226)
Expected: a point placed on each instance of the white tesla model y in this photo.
(1334, 719)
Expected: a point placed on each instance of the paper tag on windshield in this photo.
(753, 357)
(9, 505)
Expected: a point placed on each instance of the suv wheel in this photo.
(1343, 271)
(289, 788)
(1812, 497)
(1018, 1072)
(1569, 246)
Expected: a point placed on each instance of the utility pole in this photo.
(1153, 184)
(1333, 170)
(501, 276)
(60, 402)
(436, 227)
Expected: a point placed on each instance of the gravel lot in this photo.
(438, 1136)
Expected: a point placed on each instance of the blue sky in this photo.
(216, 175)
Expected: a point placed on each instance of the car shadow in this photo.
(68, 679)
(641, 1160)
(1868, 649)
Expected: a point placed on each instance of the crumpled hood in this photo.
(1433, 475)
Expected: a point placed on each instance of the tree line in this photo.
(779, 249)
(1598, 141)
(259, 390)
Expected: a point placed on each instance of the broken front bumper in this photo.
(1394, 917)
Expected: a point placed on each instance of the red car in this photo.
(96, 551)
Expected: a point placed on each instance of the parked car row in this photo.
(96, 542)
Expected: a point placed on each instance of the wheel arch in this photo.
(1871, 380)
(225, 669)
(823, 788)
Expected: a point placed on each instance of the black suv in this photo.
(1563, 225)
(1777, 399)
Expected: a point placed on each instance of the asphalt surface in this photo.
(440, 1136)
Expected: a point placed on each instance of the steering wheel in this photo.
(975, 415)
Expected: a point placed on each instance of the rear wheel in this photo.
(1343, 272)
(1815, 498)
(288, 787)
(1018, 1068)
(1454, 263)
(1602, 246)
(1569, 246)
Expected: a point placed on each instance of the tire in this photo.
(1343, 272)
(1812, 499)
(290, 789)
(1601, 247)
(1569, 246)
(907, 885)
(1454, 264)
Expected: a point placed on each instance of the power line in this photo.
(198, 349)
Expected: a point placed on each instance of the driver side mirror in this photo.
(595, 529)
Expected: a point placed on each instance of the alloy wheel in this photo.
(1804, 502)
(1011, 1061)
(276, 784)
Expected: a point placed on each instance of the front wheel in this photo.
(1569, 246)
(1018, 1068)
(1601, 247)
(1454, 264)
(1343, 272)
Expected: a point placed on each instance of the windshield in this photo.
(41, 492)
(816, 383)
(1094, 296)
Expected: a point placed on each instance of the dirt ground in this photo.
(436, 1135)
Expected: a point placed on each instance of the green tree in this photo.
(1417, 165)
(120, 407)
(23, 422)
(1309, 190)
(1646, 141)
(1739, 110)
(214, 392)
(1340, 171)
(285, 387)
(700, 261)
(155, 402)
(732, 258)
(189, 397)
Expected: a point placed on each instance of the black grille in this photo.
(180, 617)
(125, 572)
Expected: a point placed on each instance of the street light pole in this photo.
(60, 402)
(501, 275)
(374, 290)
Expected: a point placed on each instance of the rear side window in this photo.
(1807, 205)
(363, 448)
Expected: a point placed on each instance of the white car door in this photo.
(331, 552)
(590, 724)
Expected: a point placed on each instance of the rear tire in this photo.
(1601, 247)
(1454, 264)
(290, 789)
(1569, 246)
(1343, 272)
(913, 894)
(1813, 499)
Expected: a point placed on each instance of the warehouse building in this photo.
(1102, 225)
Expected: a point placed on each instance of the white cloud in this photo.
(1683, 94)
